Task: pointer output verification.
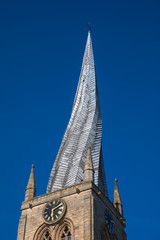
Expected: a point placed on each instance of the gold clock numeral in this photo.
(54, 202)
(59, 212)
(48, 218)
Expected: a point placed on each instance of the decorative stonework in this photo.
(44, 232)
(65, 230)
(46, 236)
(62, 231)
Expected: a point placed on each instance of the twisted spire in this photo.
(84, 129)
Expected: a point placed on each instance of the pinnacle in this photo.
(117, 199)
(31, 181)
(88, 168)
(31, 186)
(88, 164)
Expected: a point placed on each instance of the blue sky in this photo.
(41, 49)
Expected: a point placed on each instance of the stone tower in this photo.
(76, 205)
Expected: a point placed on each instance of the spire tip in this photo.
(89, 27)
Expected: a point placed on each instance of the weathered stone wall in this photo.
(101, 204)
(85, 210)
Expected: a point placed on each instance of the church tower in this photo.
(76, 205)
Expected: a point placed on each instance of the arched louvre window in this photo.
(46, 236)
(105, 233)
(66, 233)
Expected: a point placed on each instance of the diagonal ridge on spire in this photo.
(84, 129)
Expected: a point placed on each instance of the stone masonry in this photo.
(86, 205)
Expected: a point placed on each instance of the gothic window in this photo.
(105, 233)
(46, 236)
(44, 232)
(66, 233)
(113, 237)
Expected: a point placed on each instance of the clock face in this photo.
(54, 210)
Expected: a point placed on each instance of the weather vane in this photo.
(89, 27)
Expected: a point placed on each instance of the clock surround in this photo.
(54, 210)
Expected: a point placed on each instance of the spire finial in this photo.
(89, 27)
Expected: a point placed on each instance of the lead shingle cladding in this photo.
(84, 129)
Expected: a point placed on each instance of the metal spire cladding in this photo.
(84, 130)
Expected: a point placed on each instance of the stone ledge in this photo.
(74, 189)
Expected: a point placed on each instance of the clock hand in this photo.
(55, 208)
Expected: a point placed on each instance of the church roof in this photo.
(84, 130)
